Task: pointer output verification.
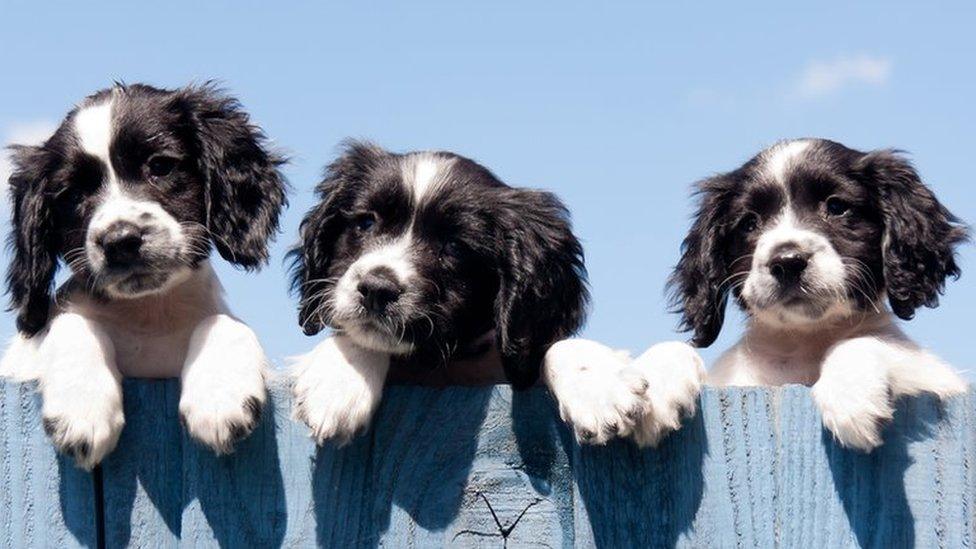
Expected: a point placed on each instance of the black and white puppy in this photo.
(131, 192)
(811, 238)
(423, 258)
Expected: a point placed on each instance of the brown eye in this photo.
(749, 223)
(365, 222)
(837, 206)
(160, 165)
(452, 248)
(71, 195)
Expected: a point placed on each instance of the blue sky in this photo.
(617, 109)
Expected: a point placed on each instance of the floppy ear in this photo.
(321, 227)
(245, 191)
(920, 233)
(30, 274)
(697, 285)
(542, 294)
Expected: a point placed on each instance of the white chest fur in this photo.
(151, 334)
(90, 344)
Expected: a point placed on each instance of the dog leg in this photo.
(337, 387)
(854, 392)
(223, 387)
(20, 361)
(596, 398)
(674, 373)
(80, 388)
(916, 371)
(861, 378)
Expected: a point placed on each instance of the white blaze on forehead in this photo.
(93, 127)
(422, 173)
(781, 157)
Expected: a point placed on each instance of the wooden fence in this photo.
(488, 467)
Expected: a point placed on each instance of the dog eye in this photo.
(365, 222)
(749, 223)
(70, 195)
(452, 248)
(160, 165)
(837, 206)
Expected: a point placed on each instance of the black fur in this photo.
(895, 231)
(322, 225)
(921, 233)
(33, 237)
(224, 187)
(488, 256)
(542, 294)
(698, 284)
(245, 192)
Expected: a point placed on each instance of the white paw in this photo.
(21, 361)
(337, 387)
(83, 416)
(80, 392)
(596, 396)
(855, 415)
(946, 383)
(674, 373)
(855, 422)
(923, 372)
(222, 416)
(223, 388)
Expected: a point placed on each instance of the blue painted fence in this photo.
(486, 467)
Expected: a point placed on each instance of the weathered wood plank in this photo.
(485, 467)
(141, 480)
(44, 500)
(738, 470)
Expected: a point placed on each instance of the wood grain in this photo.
(488, 467)
(44, 500)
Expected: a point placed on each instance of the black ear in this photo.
(30, 274)
(245, 190)
(698, 286)
(321, 227)
(920, 233)
(542, 294)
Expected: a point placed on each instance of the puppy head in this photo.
(421, 253)
(131, 191)
(810, 231)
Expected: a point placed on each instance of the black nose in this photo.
(788, 267)
(121, 244)
(379, 289)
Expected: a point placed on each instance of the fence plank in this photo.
(142, 478)
(488, 467)
(44, 500)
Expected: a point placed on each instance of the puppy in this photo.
(423, 259)
(131, 192)
(812, 239)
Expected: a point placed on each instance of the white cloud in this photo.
(821, 78)
(30, 133)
